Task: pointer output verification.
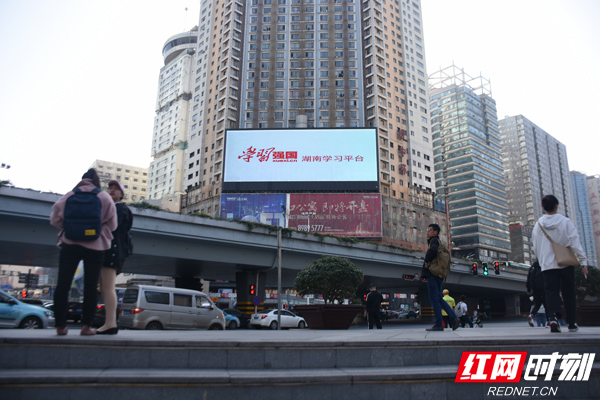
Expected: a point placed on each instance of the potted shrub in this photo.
(336, 279)
(587, 314)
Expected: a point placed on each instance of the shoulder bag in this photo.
(564, 254)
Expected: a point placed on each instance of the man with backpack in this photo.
(435, 282)
(535, 288)
(86, 217)
(462, 311)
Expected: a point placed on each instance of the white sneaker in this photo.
(530, 320)
(554, 326)
(574, 328)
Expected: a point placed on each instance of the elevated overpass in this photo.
(170, 244)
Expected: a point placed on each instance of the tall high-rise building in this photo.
(468, 163)
(593, 188)
(535, 164)
(173, 107)
(583, 215)
(261, 64)
(299, 63)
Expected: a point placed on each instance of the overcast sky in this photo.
(79, 78)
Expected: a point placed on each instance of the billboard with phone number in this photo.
(347, 214)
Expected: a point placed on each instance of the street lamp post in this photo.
(307, 215)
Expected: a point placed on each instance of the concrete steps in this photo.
(80, 367)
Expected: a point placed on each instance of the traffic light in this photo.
(497, 268)
(252, 290)
(24, 294)
(474, 265)
(484, 267)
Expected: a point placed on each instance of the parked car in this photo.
(389, 314)
(244, 318)
(407, 314)
(268, 319)
(159, 307)
(74, 311)
(16, 314)
(100, 316)
(231, 321)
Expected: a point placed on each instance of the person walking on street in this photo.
(535, 288)
(435, 284)
(463, 312)
(451, 303)
(558, 278)
(67, 216)
(374, 299)
(114, 259)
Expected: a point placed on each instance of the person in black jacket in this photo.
(114, 259)
(435, 284)
(374, 299)
(535, 288)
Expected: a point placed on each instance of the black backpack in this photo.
(83, 216)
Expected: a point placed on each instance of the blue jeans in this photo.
(434, 290)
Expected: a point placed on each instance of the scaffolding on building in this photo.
(453, 75)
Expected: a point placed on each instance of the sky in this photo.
(79, 79)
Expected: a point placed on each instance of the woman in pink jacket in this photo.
(74, 251)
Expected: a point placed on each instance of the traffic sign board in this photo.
(256, 301)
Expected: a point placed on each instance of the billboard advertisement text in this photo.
(323, 160)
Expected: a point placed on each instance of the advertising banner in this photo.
(347, 214)
(263, 208)
(325, 160)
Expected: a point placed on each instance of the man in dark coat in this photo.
(374, 299)
(535, 288)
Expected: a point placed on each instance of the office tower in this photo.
(173, 103)
(583, 215)
(535, 164)
(133, 179)
(272, 64)
(593, 188)
(468, 163)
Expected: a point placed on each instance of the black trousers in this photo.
(557, 281)
(68, 260)
(539, 298)
(374, 319)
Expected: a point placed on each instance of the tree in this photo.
(336, 278)
(587, 287)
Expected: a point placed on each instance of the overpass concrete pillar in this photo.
(244, 279)
(191, 283)
(513, 304)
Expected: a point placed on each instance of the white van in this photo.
(158, 307)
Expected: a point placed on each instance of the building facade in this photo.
(468, 164)
(299, 63)
(535, 164)
(593, 188)
(133, 179)
(583, 216)
(173, 107)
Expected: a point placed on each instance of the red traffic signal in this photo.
(474, 266)
(252, 290)
(497, 268)
(24, 294)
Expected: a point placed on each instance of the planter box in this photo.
(588, 315)
(329, 316)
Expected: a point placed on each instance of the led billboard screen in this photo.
(263, 208)
(292, 160)
(343, 214)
